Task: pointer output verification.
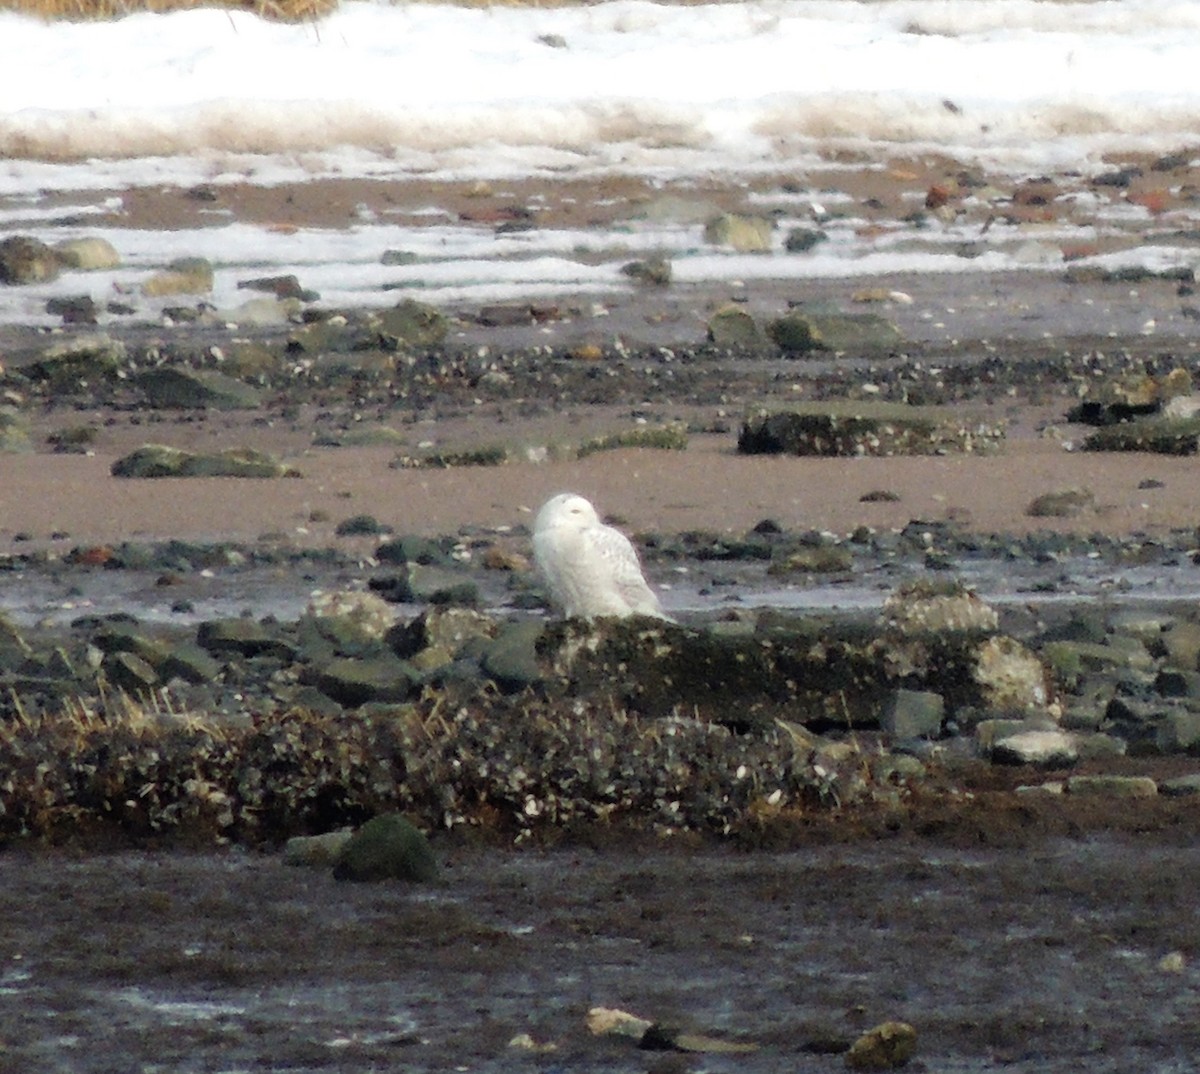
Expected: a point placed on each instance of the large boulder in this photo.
(25, 260)
(387, 847)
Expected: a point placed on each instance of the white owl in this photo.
(591, 568)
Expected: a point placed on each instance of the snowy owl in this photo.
(591, 568)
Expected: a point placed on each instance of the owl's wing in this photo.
(616, 551)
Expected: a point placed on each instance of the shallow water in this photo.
(1047, 960)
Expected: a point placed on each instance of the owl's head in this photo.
(566, 509)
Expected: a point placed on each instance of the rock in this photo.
(1172, 682)
(910, 714)
(420, 584)
(746, 234)
(1122, 399)
(14, 432)
(14, 649)
(188, 662)
(88, 254)
(928, 606)
(410, 324)
(281, 287)
(437, 635)
(354, 681)
(732, 326)
(1179, 732)
(410, 548)
(1161, 436)
(1180, 645)
(183, 276)
(387, 847)
(655, 271)
(360, 526)
(1010, 677)
(83, 360)
(172, 386)
(511, 659)
(74, 309)
(263, 313)
(820, 559)
(802, 239)
(316, 851)
(26, 260)
(800, 332)
(1046, 749)
(244, 637)
(885, 1047)
(1113, 786)
(158, 460)
(1180, 786)
(362, 617)
(129, 672)
(1066, 503)
(863, 429)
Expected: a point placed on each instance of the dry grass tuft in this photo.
(81, 10)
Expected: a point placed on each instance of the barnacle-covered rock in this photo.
(927, 606)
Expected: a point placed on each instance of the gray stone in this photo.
(1065, 503)
(316, 851)
(409, 548)
(129, 672)
(387, 847)
(14, 432)
(183, 276)
(1046, 749)
(245, 637)
(14, 649)
(410, 324)
(354, 681)
(189, 662)
(416, 583)
(1173, 682)
(1095, 747)
(88, 254)
(746, 234)
(26, 260)
(802, 239)
(83, 360)
(800, 332)
(912, 714)
(1113, 786)
(885, 1047)
(733, 326)
(1179, 732)
(1181, 645)
(655, 271)
(511, 659)
(437, 635)
(172, 386)
(1180, 786)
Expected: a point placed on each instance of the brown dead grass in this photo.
(277, 10)
(79, 10)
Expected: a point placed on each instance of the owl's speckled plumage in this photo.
(592, 569)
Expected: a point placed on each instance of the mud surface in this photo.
(1045, 955)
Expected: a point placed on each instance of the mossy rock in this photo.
(387, 847)
(185, 389)
(159, 460)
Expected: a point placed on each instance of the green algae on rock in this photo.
(159, 460)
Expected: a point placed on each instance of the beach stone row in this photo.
(933, 672)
